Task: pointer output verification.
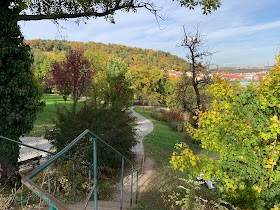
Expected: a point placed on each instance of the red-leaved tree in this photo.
(67, 76)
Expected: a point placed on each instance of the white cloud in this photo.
(242, 30)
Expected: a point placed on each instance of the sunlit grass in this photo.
(45, 118)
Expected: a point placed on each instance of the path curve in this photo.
(144, 127)
(146, 165)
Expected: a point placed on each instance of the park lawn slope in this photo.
(159, 144)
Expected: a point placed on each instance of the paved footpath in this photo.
(144, 127)
(39, 142)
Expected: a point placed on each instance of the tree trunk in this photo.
(197, 93)
(75, 100)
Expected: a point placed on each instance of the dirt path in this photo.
(146, 166)
(144, 127)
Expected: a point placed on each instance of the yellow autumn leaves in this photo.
(185, 158)
(258, 189)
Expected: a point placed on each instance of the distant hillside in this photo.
(135, 57)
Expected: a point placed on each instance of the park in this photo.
(143, 115)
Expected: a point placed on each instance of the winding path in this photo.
(144, 127)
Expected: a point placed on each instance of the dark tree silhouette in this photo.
(193, 42)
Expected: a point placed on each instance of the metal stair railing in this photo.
(88, 197)
(48, 198)
(53, 202)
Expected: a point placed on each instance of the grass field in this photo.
(44, 118)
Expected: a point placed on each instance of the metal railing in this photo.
(51, 200)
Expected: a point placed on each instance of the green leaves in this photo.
(207, 6)
(243, 126)
(20, 98)
(65, 9)
(21, 5)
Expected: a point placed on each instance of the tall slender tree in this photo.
(198, 70)
(19, 95)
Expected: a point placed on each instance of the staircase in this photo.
(55, 204)
(102, 205)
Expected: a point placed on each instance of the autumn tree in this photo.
(181, 94)
(242, 125)
(149, 85)
(68, 76)
(197, 70)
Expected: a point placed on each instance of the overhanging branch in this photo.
(87, 14)
(63, 16)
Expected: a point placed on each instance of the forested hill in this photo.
(135, 57)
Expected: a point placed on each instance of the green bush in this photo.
(114, 126)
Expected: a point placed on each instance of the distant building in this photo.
(245, 74)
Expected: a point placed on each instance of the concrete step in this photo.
(102, 205)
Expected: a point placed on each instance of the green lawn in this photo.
(159, 144)
(44, 118)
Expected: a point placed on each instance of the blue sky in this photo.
(241, 32)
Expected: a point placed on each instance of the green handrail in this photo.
(42, 150)
(61, 154)
(47, 197)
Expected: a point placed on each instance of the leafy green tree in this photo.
(242, 125)
(112, 80)
(41, 67)
(113, 125)
(20, 98)
(98, 64)
(64, 9)
(119, 91)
